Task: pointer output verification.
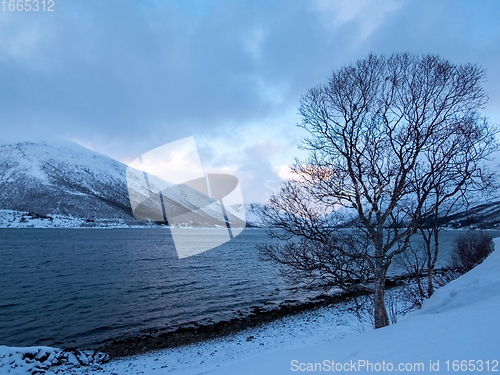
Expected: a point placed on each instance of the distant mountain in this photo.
(482, 215)
(486, 215)
(43, 184)
(251, 212)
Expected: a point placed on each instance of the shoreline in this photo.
(192, 333)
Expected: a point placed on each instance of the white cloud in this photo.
(18, 43)
(285, 172)
(367, 14)
(253, 42)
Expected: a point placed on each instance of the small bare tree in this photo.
(414, 261)
(455, 171)
(383, 137)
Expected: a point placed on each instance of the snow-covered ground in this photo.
(22, 219)
(457, 330)
(37, 359)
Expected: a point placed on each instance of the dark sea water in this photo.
(76, 287)
(79, 287)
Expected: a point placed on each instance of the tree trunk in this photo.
(430, 286)
(432, 262)
(380, 312)
(430, 271)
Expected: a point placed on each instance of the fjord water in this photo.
(79, 287)
(76, 287)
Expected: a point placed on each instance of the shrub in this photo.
(470, 249)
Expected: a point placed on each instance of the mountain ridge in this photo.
(68, 185)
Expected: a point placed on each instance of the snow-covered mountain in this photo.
(250, 211)
(66, 184)
(485, 215)
(66, 180)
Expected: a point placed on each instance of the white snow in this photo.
(37, 359)
(23, 219)
(459, 323)
(251, 212)
(73, 154)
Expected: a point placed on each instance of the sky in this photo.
(124, 77)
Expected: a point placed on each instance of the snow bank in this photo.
(37, 359)
(459, 323)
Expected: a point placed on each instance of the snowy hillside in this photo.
(456, 330)
(67, 185)
(484, 215)
(250, 212)
(64, 180)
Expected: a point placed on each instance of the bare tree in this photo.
(384, 134)
(414, 261)
(454, 172)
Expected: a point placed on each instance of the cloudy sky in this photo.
(124, 77)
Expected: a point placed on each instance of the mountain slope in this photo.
(486, 215)
(69, 180)
(66, 180)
